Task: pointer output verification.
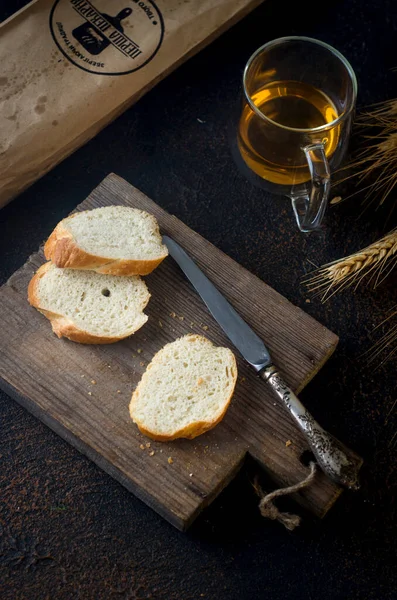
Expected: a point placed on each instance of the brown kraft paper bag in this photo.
(69, 67)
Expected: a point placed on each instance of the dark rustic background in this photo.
(68, 531)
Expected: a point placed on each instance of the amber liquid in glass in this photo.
(273, 153)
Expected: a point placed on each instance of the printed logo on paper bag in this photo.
(107, 37)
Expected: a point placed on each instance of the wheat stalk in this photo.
(377, 163)
(374, 262)
(388, 342)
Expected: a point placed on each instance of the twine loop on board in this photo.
(270, 511)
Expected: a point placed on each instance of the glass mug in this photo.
(298, 105)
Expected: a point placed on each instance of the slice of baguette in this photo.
(185, 390)
(87, 307)
(115, 240)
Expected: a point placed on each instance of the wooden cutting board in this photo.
(83, 392)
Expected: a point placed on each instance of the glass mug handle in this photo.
(309, 208)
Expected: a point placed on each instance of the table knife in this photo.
(329, 452)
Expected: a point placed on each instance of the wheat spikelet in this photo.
(375, 168)
(374, 263)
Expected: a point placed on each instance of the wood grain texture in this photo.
(54, 378)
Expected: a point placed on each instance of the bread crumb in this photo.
(133, 355)
(147, 444)
(170, 460)
(205, 327)
(109, 367)
(119, 391)
(82, 375)
(151, 453)
(160, 324)
(181, 318)
(242, 379)
(142, 447)
(173, 315)
(307, 300)
(200, 381)
(139, 350)
(288, 443)
(93, 381)
(192, 324)
(142, 363)
(90, 393)
(190, 474)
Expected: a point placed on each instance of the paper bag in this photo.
(68, 67)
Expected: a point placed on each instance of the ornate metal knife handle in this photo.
(329, 452)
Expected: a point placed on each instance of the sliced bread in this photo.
(115, 240)
(87, 307)
(185, 390)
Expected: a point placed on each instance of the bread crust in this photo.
(62, 249)
(64, 327)
(189, 433)
(193, 429)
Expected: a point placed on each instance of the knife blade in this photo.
(243, 337)
(330, 453)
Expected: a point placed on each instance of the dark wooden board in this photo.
(53, 378)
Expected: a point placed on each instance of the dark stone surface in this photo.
(68, 531)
